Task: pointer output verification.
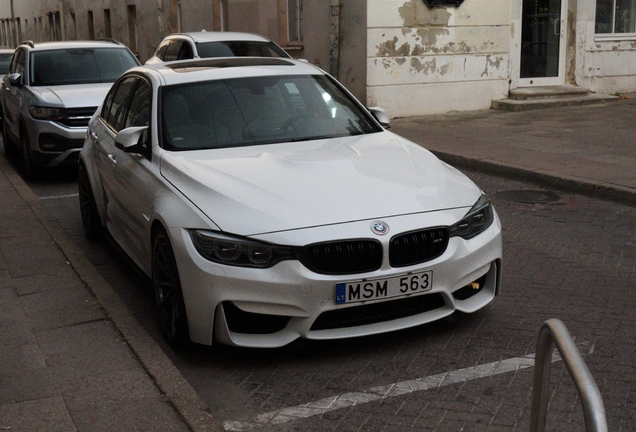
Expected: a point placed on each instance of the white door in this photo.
(543, 32)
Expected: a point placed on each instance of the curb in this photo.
(172, 385)
(603, 191)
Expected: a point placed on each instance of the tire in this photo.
(9, 147)
(167, 289)
(88, 208)
(28, 167)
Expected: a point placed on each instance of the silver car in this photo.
(193, 45)
(49, 94)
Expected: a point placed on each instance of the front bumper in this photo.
(53, 144)
(273, 307)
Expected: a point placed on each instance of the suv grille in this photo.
(78, 117)
(342, 257)
(417, 246)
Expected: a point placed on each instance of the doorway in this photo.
(543, 30)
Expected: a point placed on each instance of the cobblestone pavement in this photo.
(573, 259)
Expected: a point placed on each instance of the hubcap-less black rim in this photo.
(166, 285)
(85, 199)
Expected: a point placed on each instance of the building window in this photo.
(73, 26)
(91, 26)
(615, 16)
(107, 27)
(295, 20)
(132, 28)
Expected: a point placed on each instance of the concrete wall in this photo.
(434, 60)
(35, 20)
(352, 68)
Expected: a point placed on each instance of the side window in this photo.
(17, 64)
(116, 106)
(161, 51)
(139, 112)
(172, 53)
(185, 52)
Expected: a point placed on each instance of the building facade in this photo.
(412, 57)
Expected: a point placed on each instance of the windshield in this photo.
(79, 66)
(240, 49)
(5, 61)
(258, 110)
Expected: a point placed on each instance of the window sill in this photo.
(293, 47)
(614, 37)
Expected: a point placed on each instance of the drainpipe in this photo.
(14, 29)
(162, 28)
(62, 20)
(334, 38)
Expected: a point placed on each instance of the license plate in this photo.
(374, 289)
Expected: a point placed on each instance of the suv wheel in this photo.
(9, 147)
(29, 168)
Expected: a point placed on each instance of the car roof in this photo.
(41, 46)
(217, 36)
(185, 71)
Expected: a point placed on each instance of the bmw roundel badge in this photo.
(379, 227)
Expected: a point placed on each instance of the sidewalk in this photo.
(589, 150)
(74, 358)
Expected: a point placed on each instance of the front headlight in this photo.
(47, 113)
(478, 218)
(238, 251)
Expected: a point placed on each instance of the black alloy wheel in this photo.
(168, 293)
(88, 208)
(9, 147)
(28, 167)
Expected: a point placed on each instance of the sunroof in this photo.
(211, 63)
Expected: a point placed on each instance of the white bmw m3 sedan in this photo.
(267, 204)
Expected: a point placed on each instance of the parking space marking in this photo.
(60, 196)
(392, 390)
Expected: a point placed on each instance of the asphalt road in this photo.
(565, 256)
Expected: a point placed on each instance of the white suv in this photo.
(193, 45)
(50, 93)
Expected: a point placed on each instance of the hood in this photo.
(73, 96)
(278, 187)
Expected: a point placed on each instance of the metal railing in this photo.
(554, 331)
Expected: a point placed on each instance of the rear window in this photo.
(79, 66)
(240, 49)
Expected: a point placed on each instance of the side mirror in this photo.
(127, 139)
(381, 116)
(15, 79)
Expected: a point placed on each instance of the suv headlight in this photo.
(478, 218)
(237, 251)
(47, 113)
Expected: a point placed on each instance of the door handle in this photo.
(112, 158)
(556, 27)
(94, 135)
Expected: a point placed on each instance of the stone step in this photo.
(547, 92)
(540, 98)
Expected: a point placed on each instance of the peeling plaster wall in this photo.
(604, 64)
(423, 60)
